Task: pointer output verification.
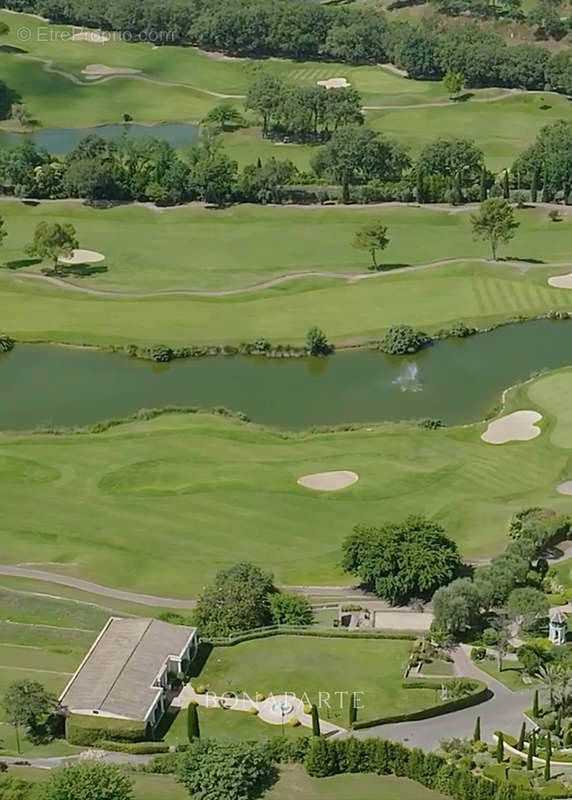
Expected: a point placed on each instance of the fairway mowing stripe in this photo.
(525, 289)
(504, 296)
(477, 291)
(489, 287)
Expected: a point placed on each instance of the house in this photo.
(128, 671)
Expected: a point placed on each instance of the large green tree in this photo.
(457, 606)
(372, 237)
(87, 780)
(494, 223)
(53, 240)
(237, 600)
(225, 770)
(526, 605)
(26, 704)
(400, 560)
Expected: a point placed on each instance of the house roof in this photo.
(117, 675)
(558, 616)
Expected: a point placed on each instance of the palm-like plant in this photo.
(557, 679)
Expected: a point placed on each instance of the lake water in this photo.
(455, 380)
(60, 141)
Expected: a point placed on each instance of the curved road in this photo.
(279, 279)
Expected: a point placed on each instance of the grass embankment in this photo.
(194, 489)
(147, 251)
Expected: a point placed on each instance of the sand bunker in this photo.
(82, 257)
(565, 488)
(561, 281)
(94, 71)
(328, 481)
(90, 36)
(516, 427)
(334, 83)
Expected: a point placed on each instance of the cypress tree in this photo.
(535, 705)
(193, 730)
(534, 186)
(315, 721)
(548, 756)
(353, 709)
(520, 745)
(558, 727)
(505, 186)
(529, 754)
(500, 747)
(420, 190)
(483, 195)
(532, 744)
(477, 733)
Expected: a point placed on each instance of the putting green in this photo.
(124, 513)
(553, 393)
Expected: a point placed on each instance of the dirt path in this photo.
(351, 277)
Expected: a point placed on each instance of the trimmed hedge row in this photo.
(333, 633)
(81, 730)
(135, 748)
(480, 694)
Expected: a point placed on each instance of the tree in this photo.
(26, 704)
(225, 770)
(353, 709)
(550, 676)
(212, 172)
(457, 606)
(320, 758)
(453, 83)
(526, 605)
(53, 240)
(237, 600)
(88, 780)
(402, 339)
(290, 609)
(400, 560)
(452, 157)
(265, 97)
(477, 731)
(20, 113)
(500, 747)
(224, 117)
(495, 222)
(193, 729)
(3, 233)
(548, 756)
(535, 708)
(502, 645)
(529, 754)
(14, 788)
(315, 720)
(522, 737)
(372, 237)
(317, 342)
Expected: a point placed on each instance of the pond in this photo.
(60, 141)
(456, 380)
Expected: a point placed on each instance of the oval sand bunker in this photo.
(561, 281)
(82, 257)
(565, 488)
(516, 427)
(329, 481)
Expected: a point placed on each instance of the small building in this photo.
(129, 670)
(557, 627)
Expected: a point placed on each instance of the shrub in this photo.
(461, 330)
(135, 748)
(6, 343)
(259, 697)
(164, 765)
(402, 339)
(85, 731)
(490, 637)
(253, 710)
(294, 722)
(200, 688)
(478, 653)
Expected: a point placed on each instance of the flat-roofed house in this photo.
(128, 670)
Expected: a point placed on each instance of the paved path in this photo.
(503, 711)
(270, 282)
(95, 588)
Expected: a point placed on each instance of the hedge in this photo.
(330, 633)
(83, 730)
(480, 694)
(135, 748)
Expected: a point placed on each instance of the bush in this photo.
(478, 653)
(294, 722)
(6, 343)
(490, 637)
(402, 339)
(164, 765)
(135, 748)
(200, 688)
(253, 710)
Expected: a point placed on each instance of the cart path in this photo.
(350, 277)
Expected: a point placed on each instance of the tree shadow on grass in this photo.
(20, 263)
(12, 49)
(74, 270)
(522, 258)
(387, 267)
(463, 98)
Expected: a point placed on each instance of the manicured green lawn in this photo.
(437, 668)
(511, 674)
(295, 783)
(318, 670)
(236, 488)
(217, 724)
(207, 250)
